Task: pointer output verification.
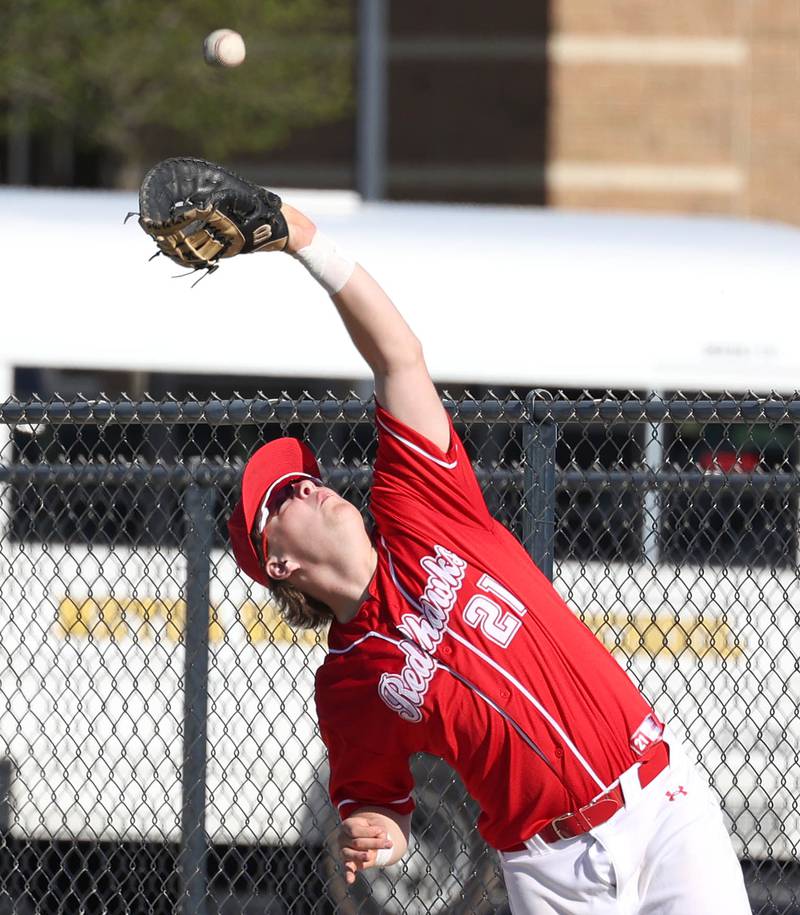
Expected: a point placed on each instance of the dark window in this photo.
(598, 517)
(66, 508)
(735, 511)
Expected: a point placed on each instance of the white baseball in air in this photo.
(224, 48)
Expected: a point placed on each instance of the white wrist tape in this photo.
(323, 260)
(382, 856)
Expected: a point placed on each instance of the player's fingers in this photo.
(349, 873)
(362, 830)
(345, 838)
(356, 856)
(367, 844)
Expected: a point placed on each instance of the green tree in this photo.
(127, 77)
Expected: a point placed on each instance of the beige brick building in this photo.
(689, 105)
(665, 105)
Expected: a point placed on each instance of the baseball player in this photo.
(445, 638)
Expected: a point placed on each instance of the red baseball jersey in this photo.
(464, 650)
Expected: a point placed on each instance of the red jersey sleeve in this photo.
(413, 475)
(368, 756)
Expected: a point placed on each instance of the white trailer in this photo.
(92, 656)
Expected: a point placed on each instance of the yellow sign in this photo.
(666, 636)
(663, 636)
(153, 619)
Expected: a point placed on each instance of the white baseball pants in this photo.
(665, 853)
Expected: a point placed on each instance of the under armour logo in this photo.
(673, 794)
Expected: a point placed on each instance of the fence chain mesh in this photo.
(158, 745)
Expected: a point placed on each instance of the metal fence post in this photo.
(539, 490)
(198, 503)
(654, 446)
(371, 124)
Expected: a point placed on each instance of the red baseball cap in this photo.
(275, 464)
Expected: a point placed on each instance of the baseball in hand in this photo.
(224, 48)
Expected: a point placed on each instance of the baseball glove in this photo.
(199, 212)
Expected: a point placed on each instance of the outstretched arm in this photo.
(387, 344)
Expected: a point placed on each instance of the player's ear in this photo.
(280, 569)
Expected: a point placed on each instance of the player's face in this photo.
(311, 523)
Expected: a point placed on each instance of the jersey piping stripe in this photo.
(369, 635)
(413, 447)
(503, 714)
(537, 705)
(364, 804)
(511, 679)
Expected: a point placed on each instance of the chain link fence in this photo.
(158, 748)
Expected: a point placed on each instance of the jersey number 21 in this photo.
(482, 611)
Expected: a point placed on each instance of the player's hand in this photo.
(199, 213)
(358, 840)
(301, 229)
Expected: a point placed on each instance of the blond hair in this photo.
(298, 609)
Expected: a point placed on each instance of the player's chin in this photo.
(337, 506)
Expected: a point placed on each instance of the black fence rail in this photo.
(158, 749)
